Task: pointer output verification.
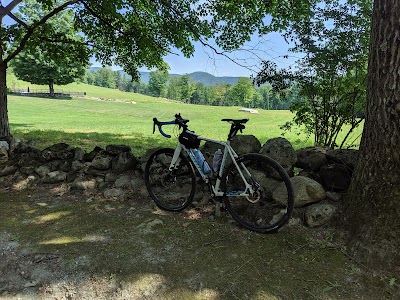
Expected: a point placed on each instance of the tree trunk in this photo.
(51, 87)
(4, 125)
(372, 207)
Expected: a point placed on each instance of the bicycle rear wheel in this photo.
(258, 212)
(171, 190)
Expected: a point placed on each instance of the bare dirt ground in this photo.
(59, 245)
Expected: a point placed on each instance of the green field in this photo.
(92, 122)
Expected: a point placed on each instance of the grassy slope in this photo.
(89, 122)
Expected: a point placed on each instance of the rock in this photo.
(112, 193)
(43, 170)
(306, 191)
(123, 182)
(347, 157)
(14, 144)
(95, 172)
(28, 160)
(91, 155)
(123, 162)
(83, 184)
(79, 154)
(110, 177)
(118, 149)
(8, 170)
(311, 158)
(280, 150)
(244, 143)
(28, 170)
(102, 161)
(137, 183)
(55, 177)
(319, 214)
(65, 165)
(335, 177)
(77, 165)
(310, 174)
(333, 196)
(24, 183)
(57, 151)
(4, 147)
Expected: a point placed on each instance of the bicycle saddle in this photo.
(235, 122)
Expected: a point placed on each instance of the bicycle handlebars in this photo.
(178, 121)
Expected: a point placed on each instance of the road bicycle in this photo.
(243, 185)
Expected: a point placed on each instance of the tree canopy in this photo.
(51, 62)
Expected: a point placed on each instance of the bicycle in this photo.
(244, 187)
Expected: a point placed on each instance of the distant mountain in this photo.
(203, 77)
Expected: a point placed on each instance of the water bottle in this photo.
(217, 160)
(201, 161)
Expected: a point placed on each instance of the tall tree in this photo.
(135, 34)
(158, 83)
(372, 205)
(331, 76)
(242, 92)
(51, 62)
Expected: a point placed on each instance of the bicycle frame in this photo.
(216, 188)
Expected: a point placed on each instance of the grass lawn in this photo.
(87, 122)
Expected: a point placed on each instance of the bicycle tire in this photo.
(170, 190)
(260, 212)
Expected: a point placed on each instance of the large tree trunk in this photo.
(4, 126)
(373, 204)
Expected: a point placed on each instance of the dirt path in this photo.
(63, 246)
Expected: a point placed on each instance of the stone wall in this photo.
(319, 175)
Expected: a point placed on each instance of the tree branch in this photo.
(19, 21)
(7, 9)
(33, 27)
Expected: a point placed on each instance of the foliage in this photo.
(157, 83)
(331, 77)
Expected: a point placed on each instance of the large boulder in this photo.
(306, 191)
(281, 150)
(311, 158)
(347, 157)
(243, 144)
(335, 177)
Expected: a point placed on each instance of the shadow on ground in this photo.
(140, 143)
(67, 246)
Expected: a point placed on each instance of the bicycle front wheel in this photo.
(257, 211)
(174, 189)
